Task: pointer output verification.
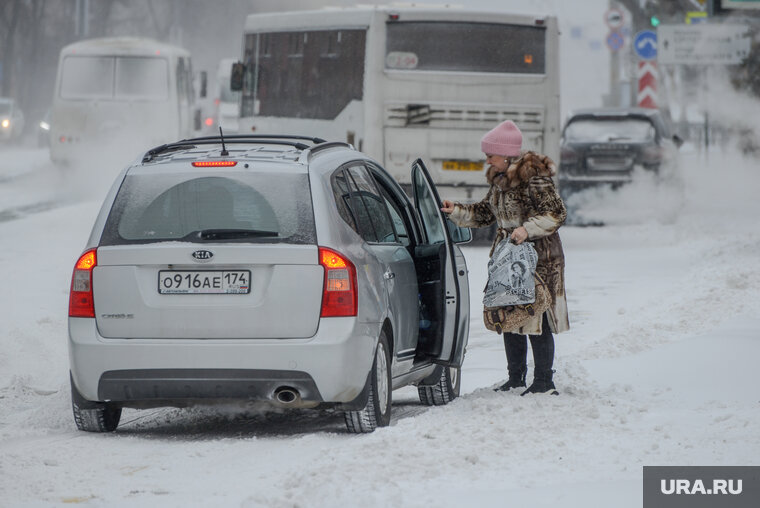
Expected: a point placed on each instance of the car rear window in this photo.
(255, 208)
(610, 130)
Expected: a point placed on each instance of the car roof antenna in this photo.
(224, 148)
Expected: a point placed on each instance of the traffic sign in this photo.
(703, 44)
(740, 4)
(645, 45)
(615, 41)
(614, 18)
(647, 76)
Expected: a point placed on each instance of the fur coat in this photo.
(524, 195)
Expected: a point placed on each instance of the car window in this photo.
(429, 212)
(604, 131)
(374, 220)
(396, 218)
(342, 196)
(239, 208)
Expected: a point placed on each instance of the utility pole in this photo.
(82, 18)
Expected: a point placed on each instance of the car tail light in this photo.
(81, 302)
(568, 155)
(652, 153)
(339, 293)
(214, 164)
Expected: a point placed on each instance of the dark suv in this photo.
(604, 145)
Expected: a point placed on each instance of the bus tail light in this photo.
(339, 292)
(81, 303)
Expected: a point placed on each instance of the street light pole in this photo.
(82, 18)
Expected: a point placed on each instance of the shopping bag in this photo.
(511, 271)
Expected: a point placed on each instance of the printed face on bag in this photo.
(518, 274)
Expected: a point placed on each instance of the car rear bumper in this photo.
(331, 366)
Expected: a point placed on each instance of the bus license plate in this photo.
(462, 166)
(227, 282)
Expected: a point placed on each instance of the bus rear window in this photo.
(465, 47)
(141, 78)
(310, 74)
(260, 208)
(108, 77)
(87, 77)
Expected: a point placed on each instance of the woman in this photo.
(524, 203)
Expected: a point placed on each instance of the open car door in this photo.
(445, 340)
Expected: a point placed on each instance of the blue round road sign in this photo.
(645, 45)
(615, 41)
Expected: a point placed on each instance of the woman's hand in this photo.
(519, 235)
(448, 206)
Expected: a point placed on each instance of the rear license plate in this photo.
(462, 166)
(609, 163)
(227, 282)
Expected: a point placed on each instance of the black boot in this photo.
(516, 347)
(514, 381)
(543, 358)
(542, 383)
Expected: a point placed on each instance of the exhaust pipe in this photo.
(286, 395)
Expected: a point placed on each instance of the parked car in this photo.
(605, 145)
(281, 269)
(11, 119)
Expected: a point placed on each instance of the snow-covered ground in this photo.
(658, 369)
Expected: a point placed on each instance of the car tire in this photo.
(94, 416)
(377, 411)
(445, 390)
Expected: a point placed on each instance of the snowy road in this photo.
(657, 370)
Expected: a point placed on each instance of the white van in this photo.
(124, 93)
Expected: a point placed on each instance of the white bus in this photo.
(401, 83)
(121, 93)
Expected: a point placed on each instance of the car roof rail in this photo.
(324, 146)
(266, 139)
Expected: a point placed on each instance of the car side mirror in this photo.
(458, 234)
(236, 76)
(677, 140)
(204, 83)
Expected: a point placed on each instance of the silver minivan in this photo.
(266, 268)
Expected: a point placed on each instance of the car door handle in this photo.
(389, 275)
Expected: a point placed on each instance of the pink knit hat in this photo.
(504, 139)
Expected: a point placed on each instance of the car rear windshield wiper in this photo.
(230, 234)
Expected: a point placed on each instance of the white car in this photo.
(280, 269)
(11, 119)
